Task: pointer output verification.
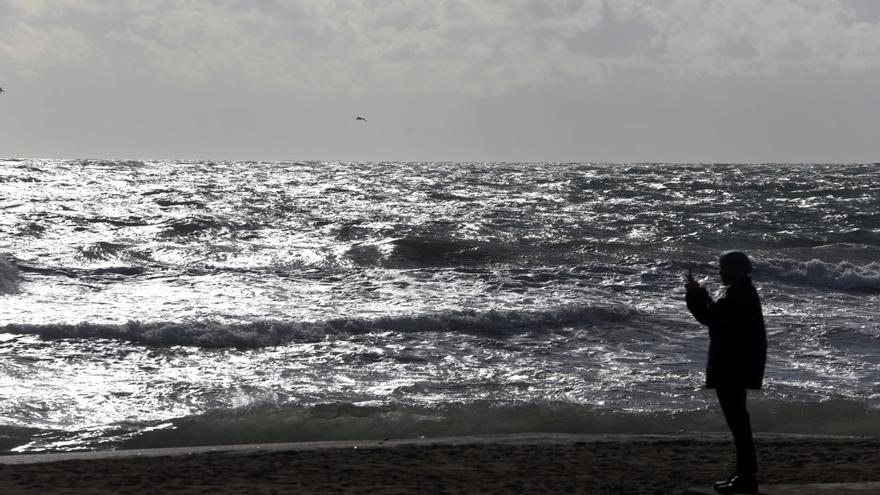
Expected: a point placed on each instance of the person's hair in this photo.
(736, 260)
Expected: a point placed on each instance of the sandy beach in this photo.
(596, 464)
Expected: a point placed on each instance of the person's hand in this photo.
(689, 282)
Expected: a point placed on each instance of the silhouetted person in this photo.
(737, 354)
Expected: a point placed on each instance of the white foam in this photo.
(8, 276)
(816, 273)
(272, 332)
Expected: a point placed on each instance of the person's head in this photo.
(734, 267)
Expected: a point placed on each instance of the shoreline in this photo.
(525, 463)
(500, 438)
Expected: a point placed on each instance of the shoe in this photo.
(725, 481)
(738, 484)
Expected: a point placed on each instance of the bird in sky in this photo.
(1, 90)
(360, 118)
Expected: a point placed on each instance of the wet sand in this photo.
(595, 464)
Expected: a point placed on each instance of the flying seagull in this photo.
(1, 90)
(360, 118)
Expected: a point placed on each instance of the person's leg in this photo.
(733, 404)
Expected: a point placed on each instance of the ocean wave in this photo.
(83, 273)
(347, 421)
(102, 250)
(843, 275)
(265, 333)
(194, 225)
(9, 275)
(190, 225)
(131, 221)
(390, 420)
(441, 251)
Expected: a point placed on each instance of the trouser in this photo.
(733, 404)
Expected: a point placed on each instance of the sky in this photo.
(442, 80)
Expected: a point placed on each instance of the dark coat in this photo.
(737, 337)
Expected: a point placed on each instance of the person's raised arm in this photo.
(690, 283)
(701, 305)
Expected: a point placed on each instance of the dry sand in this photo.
(596, 464)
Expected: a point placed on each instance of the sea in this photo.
(173, 303)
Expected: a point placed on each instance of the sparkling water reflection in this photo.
(364, 299)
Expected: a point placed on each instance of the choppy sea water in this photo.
(165, 303)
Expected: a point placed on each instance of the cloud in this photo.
(447, 46)
(866, 10)
(29, 49)
(751, 37)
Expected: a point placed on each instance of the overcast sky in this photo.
(483, 80)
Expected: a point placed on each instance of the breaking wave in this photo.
(9, 276)
(265, 333)
(815, 273)
(270, 423)
(433, 251)
(346, 421)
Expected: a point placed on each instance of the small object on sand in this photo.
(344, 232)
